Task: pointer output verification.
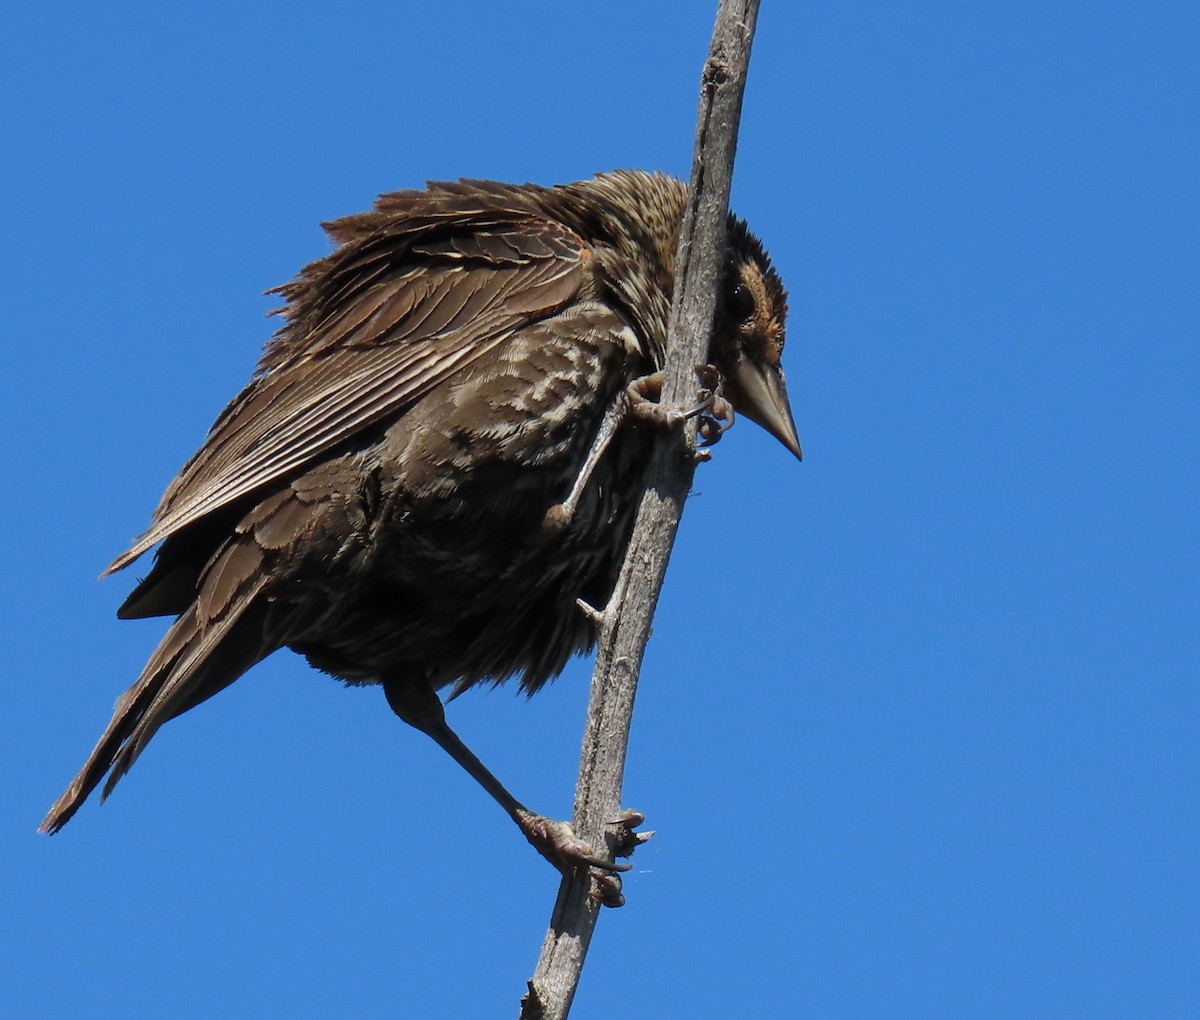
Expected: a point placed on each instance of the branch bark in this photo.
(625, 622)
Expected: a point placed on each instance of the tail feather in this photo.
(190, 664)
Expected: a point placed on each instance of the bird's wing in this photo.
(371, 329)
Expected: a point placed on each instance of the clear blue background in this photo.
(918, 725)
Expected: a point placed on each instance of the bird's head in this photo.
(748, 337)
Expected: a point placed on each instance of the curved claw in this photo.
(717, 422)
(607, 889)
(620, 835)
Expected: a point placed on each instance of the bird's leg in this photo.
(419, 706)
(641, 400)
(559, 515)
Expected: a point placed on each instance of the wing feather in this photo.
(409, 311)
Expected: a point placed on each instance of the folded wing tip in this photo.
(126, 558)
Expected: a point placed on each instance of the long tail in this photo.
(192, 662)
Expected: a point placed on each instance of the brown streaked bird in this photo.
(438, 455)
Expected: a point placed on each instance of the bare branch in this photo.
(624, 625)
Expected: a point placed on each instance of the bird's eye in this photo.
(739, 301)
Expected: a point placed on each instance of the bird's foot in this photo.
(557, 842)
(716, 413)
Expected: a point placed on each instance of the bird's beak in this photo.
(762, 397)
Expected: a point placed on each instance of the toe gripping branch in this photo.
(716, 413)
(557, 842)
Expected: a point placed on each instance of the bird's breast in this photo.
(459, 578)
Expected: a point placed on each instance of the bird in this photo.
(438, 457)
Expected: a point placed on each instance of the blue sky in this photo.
(917, 727)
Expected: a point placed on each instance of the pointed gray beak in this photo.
(762, 397)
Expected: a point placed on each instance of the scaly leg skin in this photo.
(419, 706)
(641, 400)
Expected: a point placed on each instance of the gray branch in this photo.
(624, 624)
